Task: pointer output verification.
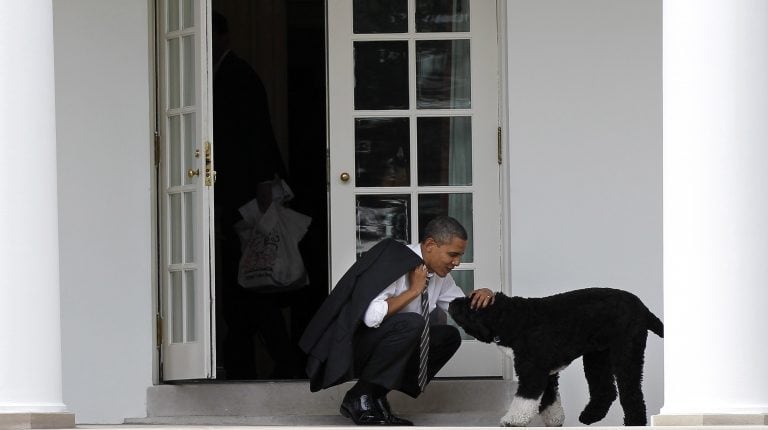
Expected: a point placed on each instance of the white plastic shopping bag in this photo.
(270, 259)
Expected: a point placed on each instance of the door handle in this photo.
(344, 177)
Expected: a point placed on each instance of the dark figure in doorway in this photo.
(245, 155)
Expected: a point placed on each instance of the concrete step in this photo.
(429, 420)
(446, 402)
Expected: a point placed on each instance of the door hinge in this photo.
(157, 148)
(159, 330)
(498, 145)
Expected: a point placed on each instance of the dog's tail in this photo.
(655, 325)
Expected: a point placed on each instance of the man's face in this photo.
(441, 259)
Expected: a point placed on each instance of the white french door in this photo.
(413, 121)
(185, 190)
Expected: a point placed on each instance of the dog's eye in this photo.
(496, 339)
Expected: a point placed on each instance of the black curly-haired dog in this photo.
(608, 327)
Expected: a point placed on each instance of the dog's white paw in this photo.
(553, 415)
(521, 412)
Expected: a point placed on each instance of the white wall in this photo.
(585, 159)
(103, 134)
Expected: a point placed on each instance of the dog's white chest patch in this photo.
(507, 351)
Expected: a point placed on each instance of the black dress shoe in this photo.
(362, 410)
(391, 418)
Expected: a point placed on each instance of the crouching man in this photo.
(374, 326)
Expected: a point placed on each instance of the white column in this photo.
(30, 339)
(715, 212)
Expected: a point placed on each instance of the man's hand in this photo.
(264, 195)
(481, 298)
(418, 282)
(417, 279)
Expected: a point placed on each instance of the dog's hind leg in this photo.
(628, 367)
(525, 404)
(550, 409)
(602, 388)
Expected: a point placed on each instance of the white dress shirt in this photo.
(441, 292)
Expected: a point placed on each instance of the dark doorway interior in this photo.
(269, 118)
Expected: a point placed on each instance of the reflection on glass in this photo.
(381, 75)
(380, 217)
(189, 70)
(173, 15)
(175, 228)
(189, 227)
(380, 16)
(177, 309)
(173, 73)
(444, 145)
(456, 205)
(443, 74)
(174, 143)
(382, 155)
(465, 279)
(189, 298)
(189, 13)
(190, 161)
(442, 15)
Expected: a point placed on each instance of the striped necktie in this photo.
(424, 341)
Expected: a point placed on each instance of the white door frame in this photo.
(506, 269)
(508, 371)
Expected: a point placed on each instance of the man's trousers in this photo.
(389, 354)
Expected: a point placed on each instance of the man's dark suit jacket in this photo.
(328, 337)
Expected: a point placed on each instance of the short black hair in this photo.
(219, 23)
(443, 229)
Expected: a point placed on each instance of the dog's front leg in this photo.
(551, 410)
(525, 404)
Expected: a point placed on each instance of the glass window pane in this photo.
(188, 10)
(465, 279)
(175, 217)
(188, 43)
(190, 140)
(381, 75)
(380, 16)
(172, 13)
(177, 310)
(189, 299)
(174, 146)
(444, 150)
(443, 74)
(189, 227)
(380, 217)
(433, 16)
(174, 77)
(456, 205)
(382, 154)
